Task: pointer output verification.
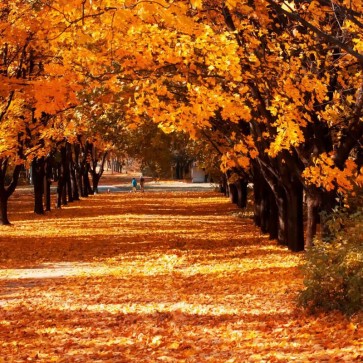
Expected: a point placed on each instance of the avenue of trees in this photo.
(271, 89)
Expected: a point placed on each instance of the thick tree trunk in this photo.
(265, 209)
(233, 193)
(295, 220)
(282, 218)
(223, 185)
(4, 208)
(6, 192)
(241, 185)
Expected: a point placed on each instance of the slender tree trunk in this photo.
(313, 202)
(257, 195)
(273, 221)
(86, 183)
(47, 184)
(96, 175)
(38, 184)
(60, 187)
(67, 172)
(78, 170)
(75, 186)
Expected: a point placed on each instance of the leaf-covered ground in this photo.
(156, 277)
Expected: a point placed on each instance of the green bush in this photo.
(333, 272)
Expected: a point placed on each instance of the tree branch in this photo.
(327, 37)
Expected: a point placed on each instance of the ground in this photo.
(170, 275)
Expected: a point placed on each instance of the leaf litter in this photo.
(157, 277)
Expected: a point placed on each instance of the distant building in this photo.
(198, 174)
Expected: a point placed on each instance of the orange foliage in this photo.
(156, 277)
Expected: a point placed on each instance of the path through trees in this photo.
(155, 277)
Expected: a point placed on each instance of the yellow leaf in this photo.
(196, 4)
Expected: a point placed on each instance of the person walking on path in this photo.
(142, 183)
(134, 184)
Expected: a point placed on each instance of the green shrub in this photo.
(333, 272)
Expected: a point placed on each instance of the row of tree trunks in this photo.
(238, 192)
(279, 207)
(70, 167)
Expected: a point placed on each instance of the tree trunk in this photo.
(233, 193)
(87, 190)
(73, 177)
(4, 208)
(282, 217)
(262, 195)
(295, 220)
(38, 184)
(223, 184)
(273, 220)
(96, 175)
(60, 187)
(78, 170)
(242, 193)
(47, 184)
(6, 192)
(313, 202)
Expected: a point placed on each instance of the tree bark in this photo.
(47, 183)
(295, 220)
(313, 204)
(233, 193)
(6, 192)
(241, 185)
(38, 165)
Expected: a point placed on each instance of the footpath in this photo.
(161, 276)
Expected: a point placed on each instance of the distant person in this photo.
(142, 183)
(134, 184)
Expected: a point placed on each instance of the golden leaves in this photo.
(196, 4)
(325, 174)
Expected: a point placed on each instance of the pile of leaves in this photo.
(156, 277)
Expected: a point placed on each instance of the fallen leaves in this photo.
(157, 277)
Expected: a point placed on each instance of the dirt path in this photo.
(155, 277)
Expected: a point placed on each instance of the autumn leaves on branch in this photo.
(274, 86)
